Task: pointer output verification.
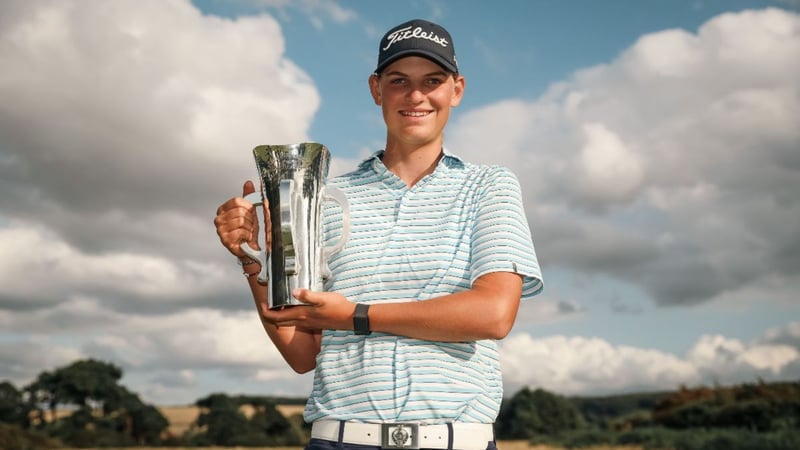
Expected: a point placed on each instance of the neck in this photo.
(412, 164)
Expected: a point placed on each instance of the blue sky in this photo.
(656, 144)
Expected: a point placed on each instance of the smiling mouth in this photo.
(414, 113)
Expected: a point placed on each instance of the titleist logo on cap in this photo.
(417, 38)
(417, 33)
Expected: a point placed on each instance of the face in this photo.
(416, 95)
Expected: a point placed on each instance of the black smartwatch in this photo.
(361, 319)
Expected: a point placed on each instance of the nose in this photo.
(415, 94)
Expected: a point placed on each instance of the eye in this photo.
(435, 81)
(397, 81)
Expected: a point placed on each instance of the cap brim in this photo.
(417, 52)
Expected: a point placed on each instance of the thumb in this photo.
(305, 295)
(248, 188)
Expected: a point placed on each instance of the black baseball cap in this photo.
(417, 38)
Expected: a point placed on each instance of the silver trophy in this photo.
(293, 184)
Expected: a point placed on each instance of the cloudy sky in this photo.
(657, 144)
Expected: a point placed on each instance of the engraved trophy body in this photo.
(293, 184)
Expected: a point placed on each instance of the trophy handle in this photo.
(333, 194)
(259, 255)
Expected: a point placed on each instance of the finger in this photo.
(307, 296)
(233, 204)
(283, 317)
(248, 188)
(236, 218)
(234, 230)
(225, 207)
(236, 224)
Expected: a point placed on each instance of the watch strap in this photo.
(361, 319)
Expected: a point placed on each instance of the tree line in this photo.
(84, 404)
(756, 416)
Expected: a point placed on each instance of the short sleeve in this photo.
(501, 239)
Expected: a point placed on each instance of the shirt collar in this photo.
(449, 160)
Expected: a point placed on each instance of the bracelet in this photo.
(249, 261)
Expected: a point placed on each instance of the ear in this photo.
(458, 91)
(375, 89)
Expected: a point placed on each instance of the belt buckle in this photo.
(400, 435)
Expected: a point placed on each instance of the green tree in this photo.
(142, 422)
(12, 409)
(758, 407)
(90, 383)
(225, 424)
(530, 413)
(42, 391)
(86, 383)
(269, 421)
(104, 413)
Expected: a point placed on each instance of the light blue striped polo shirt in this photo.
(456, 224)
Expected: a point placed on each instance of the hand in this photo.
(322, 311)
(237, 222)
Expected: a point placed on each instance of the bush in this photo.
(651, 438)
(531, 413)
(710, 439)
(660, 438)
(13, 437)
(738, 439)
(758, 407)
(587, 438)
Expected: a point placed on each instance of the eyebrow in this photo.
(436, 73)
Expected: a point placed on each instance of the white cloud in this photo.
(318, 12)
(727, 359)
(607, 170)
(543, 310)
(190, 338)
(593, 366)
(24, 360)
(121, 123)
(37, 270)
(132, 114)
(166, 358)
(672, 168)
(577, 365)
(788, 335)
(682, 47)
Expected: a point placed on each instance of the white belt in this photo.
(466, 436)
